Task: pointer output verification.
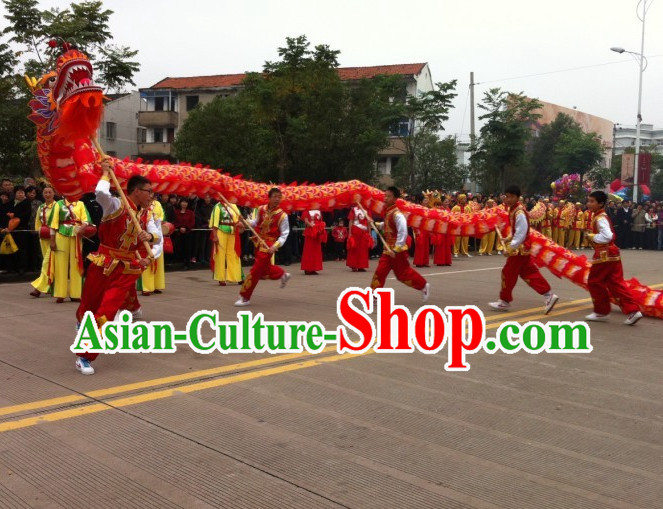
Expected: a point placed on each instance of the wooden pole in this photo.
(245, 222)
(370, 221)
(123, 198)
(499, 236)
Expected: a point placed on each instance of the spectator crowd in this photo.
(638, 226)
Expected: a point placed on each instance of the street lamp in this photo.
(640, 57)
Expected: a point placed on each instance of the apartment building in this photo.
(165, 106)
(118, 131)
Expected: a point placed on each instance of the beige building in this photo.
(166, 105)
(118, 130)
(589, 124)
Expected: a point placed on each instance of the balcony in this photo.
(157, 118)
(154, 149)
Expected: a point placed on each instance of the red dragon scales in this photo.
(67, 107)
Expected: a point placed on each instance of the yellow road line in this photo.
(499, 317)
(166, 393)
(111, 391)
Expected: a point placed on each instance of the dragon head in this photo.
(67, 102)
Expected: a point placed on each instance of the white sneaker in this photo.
(468, 255)
(500, 305)
(425, 292)
(595, 317)
(83, 365)
(284, 279)
(138, 314)
(455, 255)
(633, 318)
(551, 300)
(242, 302)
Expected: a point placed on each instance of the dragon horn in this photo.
(31, 82)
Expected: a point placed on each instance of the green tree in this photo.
(543, 151)
(296, 121)
(435, 166)
(657, 185)
(577, 152)
(599, 177)
(419, 119)
(499, 155)
(84, 25)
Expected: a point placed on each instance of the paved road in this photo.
(296, 430)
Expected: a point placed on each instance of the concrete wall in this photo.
(123, 112)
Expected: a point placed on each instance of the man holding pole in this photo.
(394, 256)
(519, 261)
(125, 229)
(270, 233)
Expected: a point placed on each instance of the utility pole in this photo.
(472, 131)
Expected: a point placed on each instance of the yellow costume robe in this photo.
(461, 243)
(227, 265)
(66, 220)
(154, 277)
(44, 282)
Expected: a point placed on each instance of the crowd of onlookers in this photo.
(639, 227)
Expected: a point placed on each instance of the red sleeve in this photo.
(351, 215)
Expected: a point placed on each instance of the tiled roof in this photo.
(218, 81)
(233, 80)
(357, 73)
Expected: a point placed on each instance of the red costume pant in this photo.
(358, 248)
(523, 266)
(401, 267)
(443, 245)
(312, 254)
(105, 295)
(262, 267)
(607, 280)
(422, 248)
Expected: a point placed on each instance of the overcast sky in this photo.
(500, 40)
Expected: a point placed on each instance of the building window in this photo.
(158, 103)
(191, 102)
(158, 135)
(400, 128)
(111, 153)
(111, 130)
(141, 135)
(382, 166)
(170, 134)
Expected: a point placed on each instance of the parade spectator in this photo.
(22, 211)
(7, 186)
(624, 220)
(170, 208)
(651, 217)
(184, 222)
(638, 227)
(340, 236)
(203, 247)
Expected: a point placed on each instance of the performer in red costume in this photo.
(395, 233)
(422, 244)
(110, 281)
(519, 262)
(606, 276)
(443, 243)
(314, 236)
(272, 225)
(359, 241)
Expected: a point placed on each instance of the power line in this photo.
(560, 70)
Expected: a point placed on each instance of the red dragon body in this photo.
(67, 107)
